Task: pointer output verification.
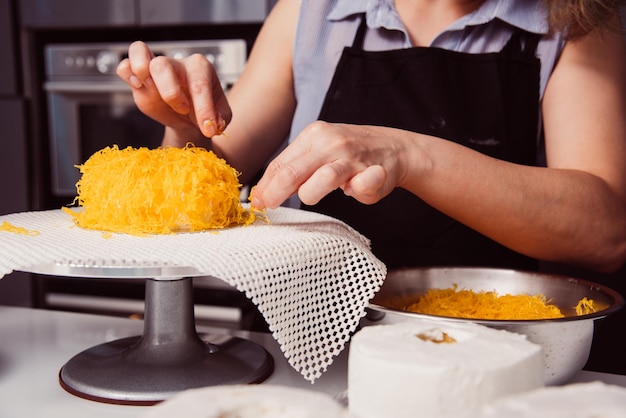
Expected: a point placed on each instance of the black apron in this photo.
(488, 102)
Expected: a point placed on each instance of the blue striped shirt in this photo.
(325, 27)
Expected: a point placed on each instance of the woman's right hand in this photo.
(185, 94)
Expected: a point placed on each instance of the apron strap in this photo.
(360, 33)
(523, 43)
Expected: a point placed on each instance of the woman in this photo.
(448, 132)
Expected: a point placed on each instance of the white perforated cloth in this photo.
(311, 276)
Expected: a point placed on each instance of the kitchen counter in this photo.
(35, 344)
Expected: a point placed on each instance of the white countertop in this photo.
(35, 344)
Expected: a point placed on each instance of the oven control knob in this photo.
(106, 62)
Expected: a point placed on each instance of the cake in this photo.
(158, 191)
(577, 400)
(437, 369)
(249, 401)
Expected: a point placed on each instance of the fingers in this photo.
(189, 87)
(211, 108)
(326, 157)
(135, 69)
(368, 186)
(170, 79)
(282, 180)
(293, 167)
(324, 180)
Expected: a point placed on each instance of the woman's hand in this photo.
(184, 95)
(366, 162)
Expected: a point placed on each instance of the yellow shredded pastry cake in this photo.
(158, 191)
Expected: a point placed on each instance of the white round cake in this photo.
(249, 401)
(437, 369)
(579, 400)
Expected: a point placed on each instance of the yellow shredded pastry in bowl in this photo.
(463, 303)
(158, 191)
(586, 306)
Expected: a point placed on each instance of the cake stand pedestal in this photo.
(169, 357)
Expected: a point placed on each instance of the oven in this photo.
(90, 108)
(86, 107)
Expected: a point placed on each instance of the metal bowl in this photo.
(566, 341)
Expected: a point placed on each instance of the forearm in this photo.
(178, 138)
(552, 214)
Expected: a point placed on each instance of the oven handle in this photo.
(86, 87)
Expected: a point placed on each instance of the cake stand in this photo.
(170, 356)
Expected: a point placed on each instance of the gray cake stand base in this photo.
(168, 358)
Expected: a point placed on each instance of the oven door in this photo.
(86, 116)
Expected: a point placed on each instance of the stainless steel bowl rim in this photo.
(617, 298)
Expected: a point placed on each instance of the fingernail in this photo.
(212, 128)
(256, 203)
(208, 128)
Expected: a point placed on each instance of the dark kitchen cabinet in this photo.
(66, 14)
(8, 68)
(13, 163)
(13, 170)
(77, 13)
(159, 12)
(15, 288)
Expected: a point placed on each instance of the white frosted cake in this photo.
(579, 400)
(249, 401)
(437, 369)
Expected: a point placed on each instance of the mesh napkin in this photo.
(311, 276)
